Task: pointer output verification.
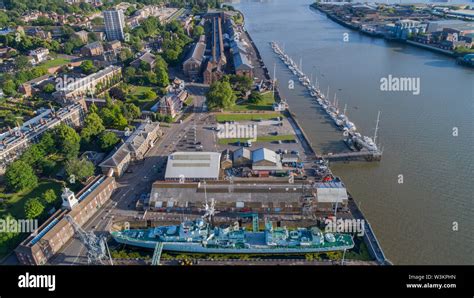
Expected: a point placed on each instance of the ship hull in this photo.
(190, 247)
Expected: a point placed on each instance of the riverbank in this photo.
(359, 28)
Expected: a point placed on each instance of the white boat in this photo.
(350, 126)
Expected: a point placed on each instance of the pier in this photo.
(364, 147)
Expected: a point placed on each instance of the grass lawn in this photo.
(54, 62)
(140, 90)
(259, 139)
(16, 202)
(247, 116)
(265, 105)
(136, 97)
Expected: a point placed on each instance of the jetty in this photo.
(364, 148)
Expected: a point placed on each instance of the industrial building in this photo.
(15, 141)
(214, 70)
(257, 195)
(240, 58)
(55, 232)
(192, 65)
(264, 159)
(193, 166)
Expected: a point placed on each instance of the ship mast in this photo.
(376, 128)
(345, 108)
(274, 80)
(327, 95)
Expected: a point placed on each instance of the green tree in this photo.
(49, 196)
(220, 95)
(33, 208)
(47, 166)
(12, 120)
(67, 141)
(49, 88)
(33, 154)
(107, 141)
(47, 143)
(93, 126)
(241, 84)
(7, 236)
(22, 62)
(171, 56)
(131, 111)
(162, 78)
(9, 87)
(149, 95)
(255, 97)
(198, 31)
(130, 72)
(88, 67)
(94, 109)
(20, 176)
(79, 168)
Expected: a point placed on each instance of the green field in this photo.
(265, 105)
(247, 116)
(261, 139)
(54, 62)
(136, 96)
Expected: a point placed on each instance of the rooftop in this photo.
(193, 165)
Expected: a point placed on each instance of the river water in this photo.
(428, 218)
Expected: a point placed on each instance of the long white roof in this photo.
(193, 165)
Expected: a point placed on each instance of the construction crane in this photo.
(96, 246)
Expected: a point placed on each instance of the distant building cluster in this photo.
(221, 49)
(448, 34)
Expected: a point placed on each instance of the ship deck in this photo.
(254, 239)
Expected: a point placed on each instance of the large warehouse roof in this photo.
(331, 194)
(193, 165)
